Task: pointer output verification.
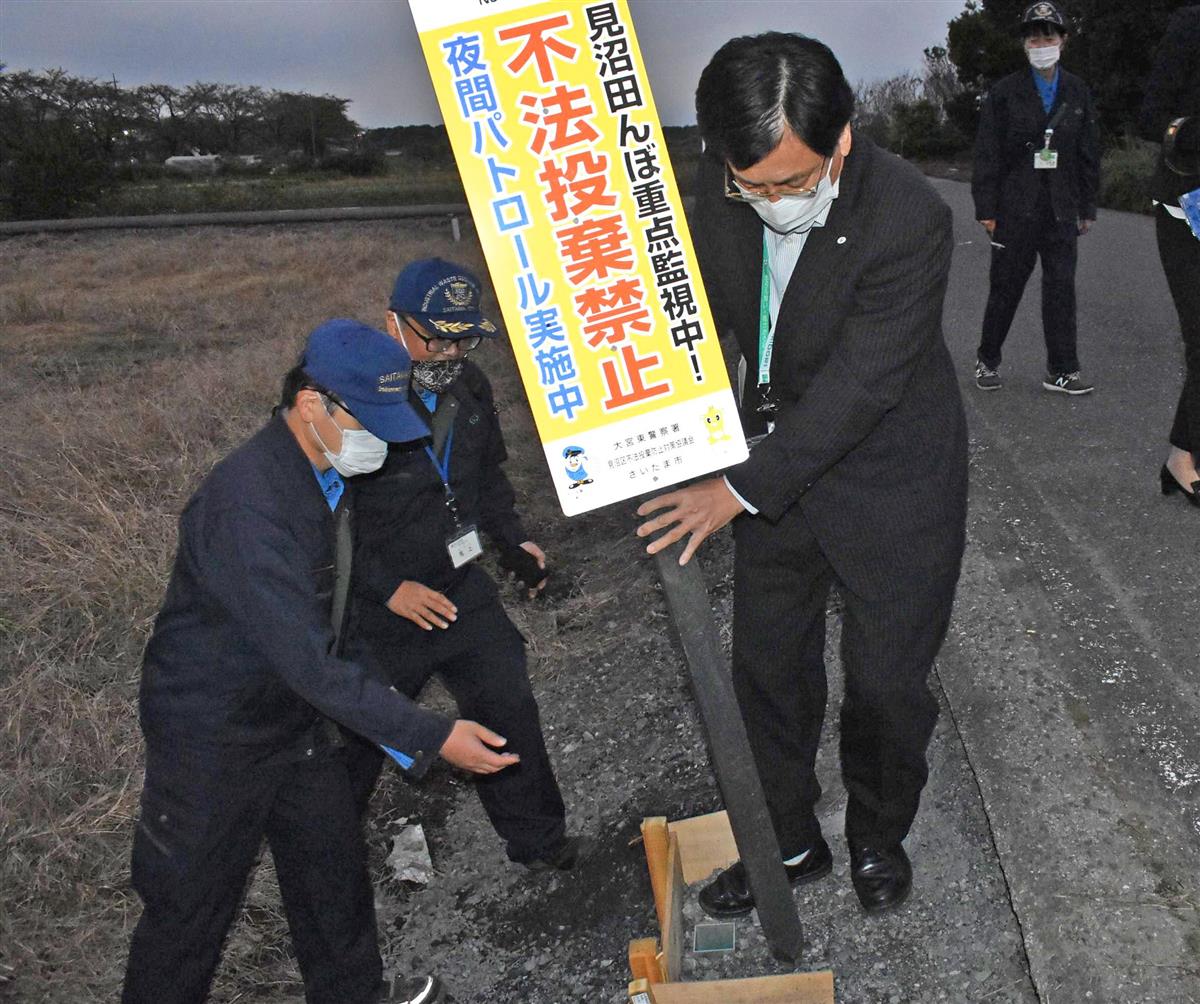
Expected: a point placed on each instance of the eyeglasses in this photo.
(739, 192)
(331, 401)
(439, 345)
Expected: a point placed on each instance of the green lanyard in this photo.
(766, 334)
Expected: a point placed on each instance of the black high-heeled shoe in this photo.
(1169, 484)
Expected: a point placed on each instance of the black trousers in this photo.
(481, 660)
(1180, 254)
(199, 834)
(781, 586)
(1025, 240)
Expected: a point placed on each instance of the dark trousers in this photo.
(481, 660)
(199, 834)
(781, 586)
(1025, 240)
(1180, 254)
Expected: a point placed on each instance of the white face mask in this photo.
(362, 452)
(795, 213)
(1042, 57)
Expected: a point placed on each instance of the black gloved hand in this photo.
(523, 565)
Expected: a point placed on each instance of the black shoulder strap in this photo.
(443, 421)
(1057, 117)
(343, 553)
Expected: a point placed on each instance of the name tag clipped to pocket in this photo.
(463, 545)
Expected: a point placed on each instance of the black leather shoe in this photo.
(728, 895)
(1169, 485)
(882, 877)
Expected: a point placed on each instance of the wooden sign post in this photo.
(733, 763)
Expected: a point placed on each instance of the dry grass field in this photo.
(129, 363)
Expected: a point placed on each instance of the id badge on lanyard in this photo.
(1046, 159)
(462, 543)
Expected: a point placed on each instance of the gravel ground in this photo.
(624, 734)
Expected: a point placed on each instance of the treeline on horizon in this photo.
(65, 139)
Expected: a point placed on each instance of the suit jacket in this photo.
(1012, 125)
(869, 447)
(1173, 91)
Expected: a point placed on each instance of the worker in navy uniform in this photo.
(1171, 116)
(827, 259)
(422, 604)
(241, 682)
(1036, 175)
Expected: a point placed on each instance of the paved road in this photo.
(1073, 667)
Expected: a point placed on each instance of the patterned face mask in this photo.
(437, 375)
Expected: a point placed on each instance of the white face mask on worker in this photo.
(1042, 57)
(362, 452)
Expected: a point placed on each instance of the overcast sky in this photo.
(366, 50)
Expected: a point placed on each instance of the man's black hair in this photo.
(756, 86)
(294, 381)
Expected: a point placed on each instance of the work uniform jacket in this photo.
(241, 667)
(1173, 91)
(403, 520)
(1012, 125)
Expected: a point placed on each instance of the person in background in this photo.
(1035, 182)
(241, 684)
(828, 260)
(422, 604)
(1173, 93)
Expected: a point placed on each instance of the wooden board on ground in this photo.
(656, 839)
(672, 930)
(793, 988)
(706, 844)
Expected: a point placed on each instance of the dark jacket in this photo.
(240, 667)
(870, 437)
(1012, 125)
(1172, 92)
(402, 519)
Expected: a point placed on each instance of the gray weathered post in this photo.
(737, 775)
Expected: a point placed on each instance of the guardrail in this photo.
(453, 211)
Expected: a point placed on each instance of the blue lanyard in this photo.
(443, 471)
(443, 466)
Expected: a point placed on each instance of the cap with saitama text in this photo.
(369, 372)
(443, 297)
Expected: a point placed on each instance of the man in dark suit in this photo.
(1036, 175)
(828, 259)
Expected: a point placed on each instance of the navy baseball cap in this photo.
(1043, 14)
(368, 371)
(443, 297)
